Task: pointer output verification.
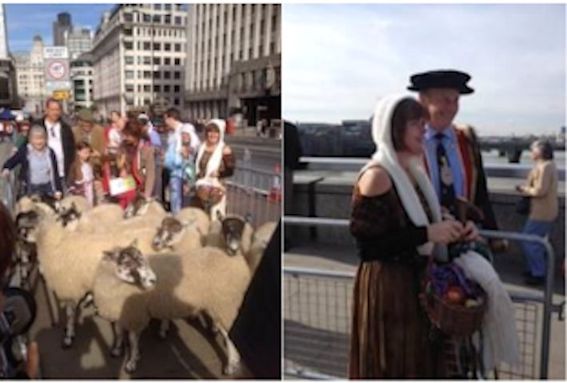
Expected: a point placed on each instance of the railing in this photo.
(526, 305)
(492, 170)
(256, 192)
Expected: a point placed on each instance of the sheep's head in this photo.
(131, 267)
(139, 206)
(69, 216)
(169, 233)
(232, 229)
(27, 224)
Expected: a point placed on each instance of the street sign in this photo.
(55, 53)
(61, 95)
(57, 69)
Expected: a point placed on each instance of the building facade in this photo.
(78, 41)
(62, 25)
(234, 53)
(139, 58)
(30, 75)
(81, 71)
(8, 91)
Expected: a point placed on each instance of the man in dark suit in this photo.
(59, 137)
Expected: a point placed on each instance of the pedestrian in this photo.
(23, 131)
(113, 132)
(136, 165)
(396, 220)
(81, 176)
(86, 130)
(155, 141)
(60, 137)
(172, 118)
(38, 173)
(452, 152)
(541, 188)
(181, 167)
(215, 162)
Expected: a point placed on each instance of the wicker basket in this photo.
(452, 319)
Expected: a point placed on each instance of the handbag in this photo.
(523, 205)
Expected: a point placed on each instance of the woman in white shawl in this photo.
(396, 222)
(215, 161)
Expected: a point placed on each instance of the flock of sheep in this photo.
(141, 264)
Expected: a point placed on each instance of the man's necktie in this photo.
(446, 185)
(52, 131)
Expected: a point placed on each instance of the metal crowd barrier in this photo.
(317, 315)
(256, 192)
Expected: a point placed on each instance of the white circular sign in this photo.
(57, 70)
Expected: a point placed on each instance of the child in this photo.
(181, 166)
(81, 177)
(38, 165)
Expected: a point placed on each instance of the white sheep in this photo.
(232, 233)
(260, 241)
(81, 204)
(178, 236)
(194, 214)
(100, 217)
(130, 289)
(68, 261)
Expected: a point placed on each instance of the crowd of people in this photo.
(121, 160)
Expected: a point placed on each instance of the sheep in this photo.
(81, 204)
(260, 241)
(99, 218)
(231, 233)
(202, 219)
(130, 289)
(178, 236)
(68, 261)
(141, 206)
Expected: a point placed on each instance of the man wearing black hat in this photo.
(452, 152)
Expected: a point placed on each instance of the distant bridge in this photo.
(512, 147)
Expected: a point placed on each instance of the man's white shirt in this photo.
(54, 141)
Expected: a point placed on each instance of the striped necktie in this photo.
(446, 186)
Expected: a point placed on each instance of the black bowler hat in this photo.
(452, 79)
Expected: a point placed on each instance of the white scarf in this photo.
(215, 160)
(387, 158)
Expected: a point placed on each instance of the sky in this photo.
(24, 21)
(338, 60)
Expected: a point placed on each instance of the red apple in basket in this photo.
(454, 296)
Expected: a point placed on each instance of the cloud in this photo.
(338, 60)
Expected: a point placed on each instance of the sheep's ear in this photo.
(187, 223)
(248, 218)
(111, 255)
(134, 243)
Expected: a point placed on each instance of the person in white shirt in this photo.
(59, 137)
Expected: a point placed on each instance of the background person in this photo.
(215, 161)
(541, 187)
(81, 175)
(59, 137)
(181, 167)
(38, 165)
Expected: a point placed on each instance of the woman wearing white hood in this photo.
(215, 161)
(396, 221)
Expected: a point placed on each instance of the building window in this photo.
(147, 46)
(272, 48)
(250, 53)
(129, 74)
(167, 61)
(177, 61)
(157, 60)
(157, 7)
(157, 88)
(167, 7)
(139, 88)
(274, 23)
(176, 88)
(157, 46)
(128, 17)
(147, 60)
(147, 18)
(129, 60)
(167, 19)
(167, 47)
(176, 101)
(178, 47)
(128, 45)
(166, 88)
(157, 19)
(177, 20)
(147, 74)
(177, 75)
(127, 32)
(157, 75)
(147, 88)
(167, 75)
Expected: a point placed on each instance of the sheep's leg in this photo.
(131, 364)
(71, 311)
(164, 328)
(87, 301)
(118, 345)
(233, 357)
